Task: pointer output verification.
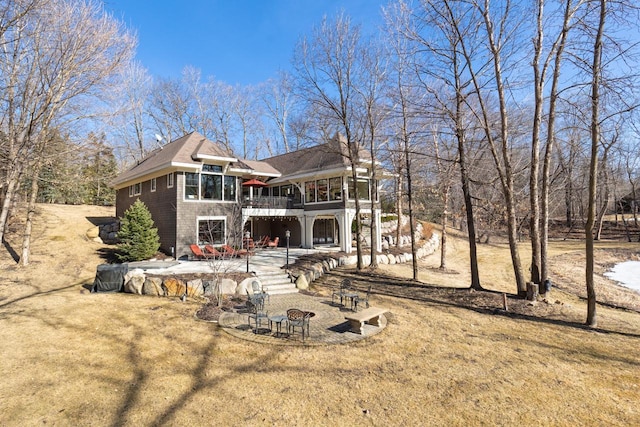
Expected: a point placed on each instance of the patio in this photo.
(327, 326)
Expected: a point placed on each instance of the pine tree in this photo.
(139, 239)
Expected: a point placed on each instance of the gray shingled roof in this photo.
(184, 150)
(330, 155)
(189, 149)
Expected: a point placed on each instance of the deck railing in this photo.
(271, 202)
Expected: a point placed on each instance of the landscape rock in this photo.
(302, 283)
(133, 281)
(93, 232)
(195, 288)
(175, 287)
(153, 286)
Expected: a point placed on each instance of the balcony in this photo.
(270, 202)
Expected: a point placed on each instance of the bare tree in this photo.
(277, 97)
(372, 90)
(128, 119)
(404, 124)
(440, 65)
(593, 166)
(327, 71)
(54, 59)
(556, 54)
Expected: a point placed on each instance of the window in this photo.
(210, 185)
(310, 191)
(212, 168)
(137, 189)
(230, 188)
(275, 191)
(191, 185)
(211, 231)
(363, 189)
(323, 190)
(131, 191)
(153, 184)
(170, 180)
(335, 188)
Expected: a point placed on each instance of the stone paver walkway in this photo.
(328, 326)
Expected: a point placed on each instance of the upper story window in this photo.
(210, 184)
(135, 189)
(364, 192)
(153, 184)
(170, 180)
(323, 190)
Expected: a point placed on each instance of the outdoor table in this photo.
(278, 321)
(352, 296)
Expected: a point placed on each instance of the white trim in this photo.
(303, 175)
(211, 218)
(216, 158)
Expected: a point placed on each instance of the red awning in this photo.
(254, 183)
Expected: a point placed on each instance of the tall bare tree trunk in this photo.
(593, 165)
(31, 211)
(550, 142)
(399, 209)
(534, 219)
(443, 238)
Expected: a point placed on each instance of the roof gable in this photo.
(185, 151)
(330, 155)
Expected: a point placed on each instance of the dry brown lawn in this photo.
(70, 357)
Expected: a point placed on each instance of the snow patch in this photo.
(627, 274)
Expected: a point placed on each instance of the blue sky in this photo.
(236, 41)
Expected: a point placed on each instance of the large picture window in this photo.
(210, 184)
(323, 190)
(363, 189)
(211, 231)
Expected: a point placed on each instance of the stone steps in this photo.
(275, 283)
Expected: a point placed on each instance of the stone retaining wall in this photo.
(304, 276)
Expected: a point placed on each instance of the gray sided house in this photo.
(198, 193)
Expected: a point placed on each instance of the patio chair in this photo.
(213, 251)
(229, 252)
(360, 300)
(258, 316)
(263, 242)
(256, 299)
(274, 243)
(345, 286)
(197, 252)
(298, 318)
(258, 290)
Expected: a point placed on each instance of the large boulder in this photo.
(93, 232)
(153, 286)
(133, 281)
(195, 288)
(175, 287)
(302, 283)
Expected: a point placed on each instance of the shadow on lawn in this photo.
(484, 302)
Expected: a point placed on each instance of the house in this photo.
(198, 192)
(628, 204)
